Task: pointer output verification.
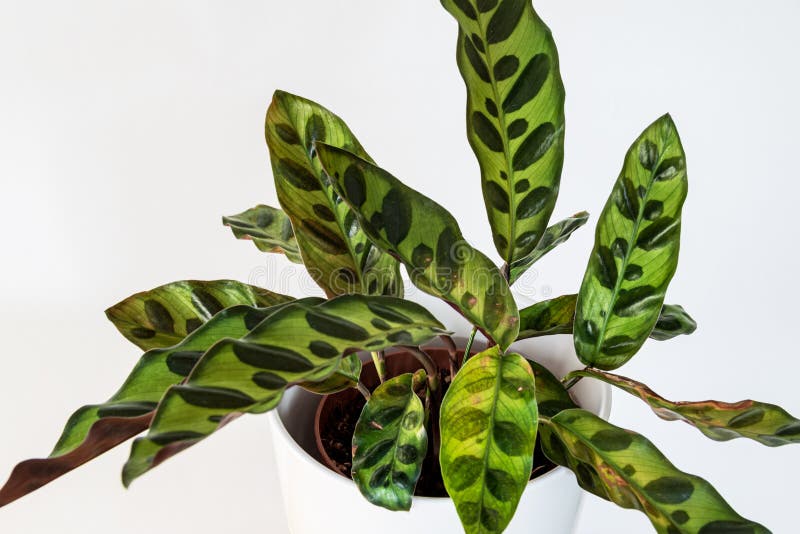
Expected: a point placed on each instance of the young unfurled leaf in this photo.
(555, 235)
(344, 377)
(556, 316)
(269, 228)
(165, 315)
(673, 322)
(300, 343)
(635, 252)
(722, 421)
(427, 239)
(94, 429)
(626, 469)
(390, 444)
(334, 248)
(515, 116)
(488, 427)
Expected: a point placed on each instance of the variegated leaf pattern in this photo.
(344, 377)
(556, 316)
(488, 427)
(551, 396)
(94, 429)
(334, 249)
(673, 322)
(721, 421)
(165, 315)
(269, 228)
(427, 239)
(555, 235)
(627, 469)
(635, 252)
(548, 317)
(299, 343)
(515, 116)
(390, 443)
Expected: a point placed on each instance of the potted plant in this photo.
(484, 427)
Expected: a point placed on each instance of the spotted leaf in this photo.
(334, 248)
(556, 316)
(721, 421)
(94, 429)
(344, 377)
(390, 443)
(673, 322)
(427, 239)
(297, 344)
(627, 469)
(635, 252)
(515, 116)
(269, 228)
(555, 235)
(165, 315)
(488, 427)
(551, 396)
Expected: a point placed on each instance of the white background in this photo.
(128, 128)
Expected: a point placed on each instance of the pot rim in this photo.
(278, 426)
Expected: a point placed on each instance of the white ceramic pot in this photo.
(318, 501)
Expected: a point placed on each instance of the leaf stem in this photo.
(451, 349)
(427, 363)
(380, 364)
(364, 390)
(574, 377)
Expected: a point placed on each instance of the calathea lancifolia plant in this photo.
(216, 350)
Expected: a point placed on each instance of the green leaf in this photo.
(335, 250)
(721, 421)
(427, 239)
(626, 469)
(269, 228)
(635, 252)
(515, 116)
(488, 426)
(390, 443)
(551, 396)
(299, 343)
(344, 377)
(94, 429)
(165, 315)
(548, 317)
(556, 316)
(555, 235)
(673, 322)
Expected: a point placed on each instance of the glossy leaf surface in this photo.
(335, 251)
(344, 377)
(299, 343)
(427, 239)
(390, 443)
(488, 427)
(269, 228)
(94, 429)
(515, 116)
(165, 315)
(722, 421)
(551, 396)
(627, 469)
(556, 316)
(635, 252)
(555, 235)
(673, 322)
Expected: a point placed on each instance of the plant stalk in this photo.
(364, 390)
(452, 351)
(428, 364)
(468, 348)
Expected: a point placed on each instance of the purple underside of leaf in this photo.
(104, 435)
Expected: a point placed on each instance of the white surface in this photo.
(550, 501)
(128, 128)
